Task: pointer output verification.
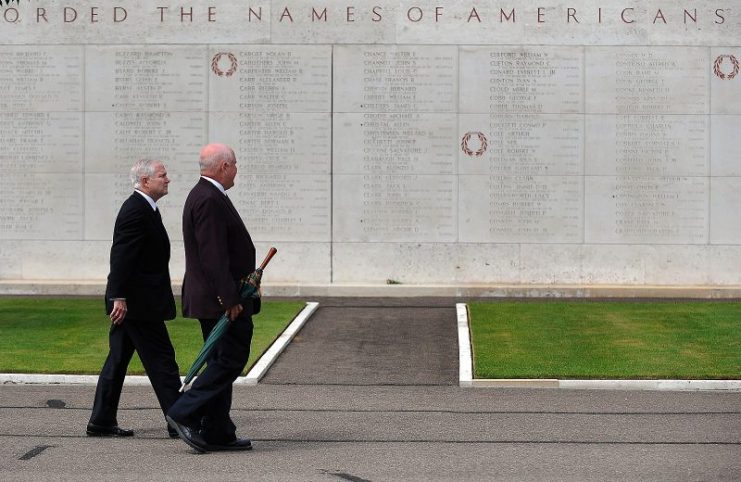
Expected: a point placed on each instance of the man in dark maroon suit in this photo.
(218, 253)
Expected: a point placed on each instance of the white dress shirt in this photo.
(215, 183)
(149, 199)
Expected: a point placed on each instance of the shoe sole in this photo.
(97, 434)
(228, 449)
(182, 436)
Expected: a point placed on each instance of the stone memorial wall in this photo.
(557, 142)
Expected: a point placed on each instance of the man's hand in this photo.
(119, 312)
(234, 312)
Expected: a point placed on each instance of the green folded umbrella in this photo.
(249, 288)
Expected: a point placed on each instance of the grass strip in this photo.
(606, 340)
(70, 335)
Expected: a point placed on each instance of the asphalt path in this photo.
(373, 341)
(314, 432)
(327, 412)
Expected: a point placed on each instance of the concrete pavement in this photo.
(334, 433)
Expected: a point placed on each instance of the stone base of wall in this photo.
(96, 288)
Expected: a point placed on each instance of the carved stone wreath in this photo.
(719, 61)
(232, 64)
(483, 143)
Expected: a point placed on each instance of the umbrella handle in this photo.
(267, 259)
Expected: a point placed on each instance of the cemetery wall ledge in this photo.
(97, 287)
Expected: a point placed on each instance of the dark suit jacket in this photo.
(140, 257)
(218, 253)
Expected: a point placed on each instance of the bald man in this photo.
(218, 253)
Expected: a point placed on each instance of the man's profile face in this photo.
(230, 172)
(156, 185)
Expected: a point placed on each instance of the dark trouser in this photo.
(208, 402)
(152, 342)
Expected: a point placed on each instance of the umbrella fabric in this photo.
(249, 288)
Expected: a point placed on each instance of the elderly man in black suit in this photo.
(138, 300)
(218, 253)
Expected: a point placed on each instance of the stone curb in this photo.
(465, 358)
(268, 358)
(252, 377)
(466, 373)
(656, 385)
(33, 379)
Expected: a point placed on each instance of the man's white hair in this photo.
(142, 168)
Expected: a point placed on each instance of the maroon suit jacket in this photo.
(218, 253)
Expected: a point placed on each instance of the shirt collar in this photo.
(149, 199)
(215, 183)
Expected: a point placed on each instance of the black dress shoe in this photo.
(188, 435)
(106, 431)
(238, 444)
(172, 432)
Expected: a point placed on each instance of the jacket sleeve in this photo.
(128, 241)
(212, 240)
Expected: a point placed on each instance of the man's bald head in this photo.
(212, 155)
(219, 162)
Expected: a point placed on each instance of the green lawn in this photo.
(70, 335)
(591, 339)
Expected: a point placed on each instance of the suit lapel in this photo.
(231, 207)
(228, 202)
(154, 216)
(160, 224)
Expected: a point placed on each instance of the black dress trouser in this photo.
(152, 342)
(207, 403)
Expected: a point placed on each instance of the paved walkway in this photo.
(376, 433)
(342, 420)
(373, 341)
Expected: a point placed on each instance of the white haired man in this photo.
(138, 300)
